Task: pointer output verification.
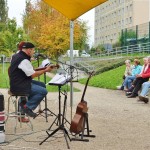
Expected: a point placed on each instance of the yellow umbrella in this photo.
(72, 9)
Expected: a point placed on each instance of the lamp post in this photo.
(124, 18)
(111, 43)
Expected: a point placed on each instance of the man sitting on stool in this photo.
(21, 75)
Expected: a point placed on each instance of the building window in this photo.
(119, 23)
(119, 12)
(130, 20)
(126, 20)
(127, 8)
(115, 14)
(130, 9)
(120, 1)
(122, 10)
(114, 25)
(122, 22)
(95, 31)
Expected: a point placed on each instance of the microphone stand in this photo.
(40, 110)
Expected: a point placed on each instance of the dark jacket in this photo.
(19, 82)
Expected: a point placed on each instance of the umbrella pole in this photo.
(71, 64)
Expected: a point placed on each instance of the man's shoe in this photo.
(23, 119)
(122, 88)
(132, 95)
(28, 111)
(131, 89)
(128, 93)
(143, 99)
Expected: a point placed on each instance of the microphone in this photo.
(37, 55)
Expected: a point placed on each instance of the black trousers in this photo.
(138, 83)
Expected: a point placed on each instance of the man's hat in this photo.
(27, 45)
(20, 45)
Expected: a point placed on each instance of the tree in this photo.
(11, 36)
(26, 16)
(50, 30)
(3, 14)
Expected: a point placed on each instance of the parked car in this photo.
(84, 54)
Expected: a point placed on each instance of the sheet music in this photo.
(59, 79)
(45, 63)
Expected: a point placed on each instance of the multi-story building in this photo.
(114, 15)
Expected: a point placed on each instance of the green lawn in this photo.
(109, 79)
(4, 79)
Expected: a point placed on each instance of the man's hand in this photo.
(138, 75)
(48, 69)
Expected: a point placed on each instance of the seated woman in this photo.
(136, 70)
(127, 72)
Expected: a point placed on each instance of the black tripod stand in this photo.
(45, 110)
(61, 118)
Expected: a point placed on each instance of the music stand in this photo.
(59, 80)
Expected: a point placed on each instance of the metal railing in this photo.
(129, 50)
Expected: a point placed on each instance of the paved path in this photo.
(119, 123)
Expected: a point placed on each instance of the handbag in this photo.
(1, 102)
(123, 77)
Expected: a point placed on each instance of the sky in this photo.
(17, 7)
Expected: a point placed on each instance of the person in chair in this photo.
(21, 75)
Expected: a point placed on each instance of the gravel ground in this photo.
(119, 123)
